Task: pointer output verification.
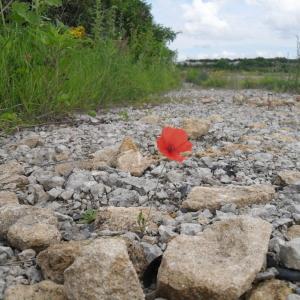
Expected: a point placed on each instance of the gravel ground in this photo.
(253, 136)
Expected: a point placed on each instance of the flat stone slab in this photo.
(220, 263)
(103, 271)
(288, 178)
(126, 219)
(214, 197)
(8, 198)
(44, 290)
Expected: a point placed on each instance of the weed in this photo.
(92, 113)
(89, 216)
(142, 222)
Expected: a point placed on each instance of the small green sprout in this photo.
(89, 216)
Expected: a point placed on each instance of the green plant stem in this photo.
(37, 7)
(2, 13)
(155, 190)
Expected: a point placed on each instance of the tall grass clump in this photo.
(49, 69)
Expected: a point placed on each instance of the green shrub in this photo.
(48, 70)
(196, 76)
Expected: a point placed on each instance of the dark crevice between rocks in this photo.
(150, 275)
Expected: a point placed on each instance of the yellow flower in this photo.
(77, 32)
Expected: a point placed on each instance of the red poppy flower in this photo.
(172, 142)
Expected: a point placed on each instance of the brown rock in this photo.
(57, 257)
(224, 151)
(65, 169)
(8, 198)
(270, 290)
(136, 255)
(62, 156)
(127, 145)
(54, 260)
(126, 219)
(239, 99)
(34, 231)
(269, 102)
(44, 290)
(219, 264)
(12, 167)
(25, 226)
(216, 118)
(107, 155)
(9, 214)
(257, 125)
(214, 197)
(293, 232)
(195, 128)
(32, 141)
(283, 137)
(103, 271)
(11, 173)
(151, 119)
(133, 162)
(288, 177)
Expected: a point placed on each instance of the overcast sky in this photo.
(231, 28)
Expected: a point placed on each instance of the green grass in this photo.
(89, 216)
(46, 74)
(276, 81)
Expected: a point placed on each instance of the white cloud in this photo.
(231, 28)
(204, 18)
(281, 15)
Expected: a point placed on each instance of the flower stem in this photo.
(155, 190)
(2, 13)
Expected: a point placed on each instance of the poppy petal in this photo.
(187, 146)
(177, 157)
(161, 145)
(174, 136)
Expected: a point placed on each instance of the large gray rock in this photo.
(151, 251)
(220, 263)
(214, 197)
(5, 254)
(36, 194)
(290, 254)
(123, 197)
(190, 228)
(141, 185)
(78, 181)
(103, 271)
(49, 180)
